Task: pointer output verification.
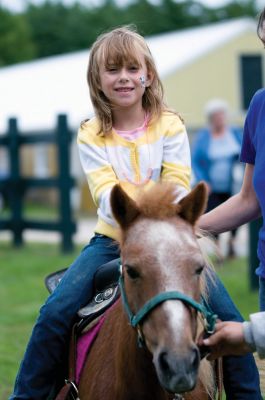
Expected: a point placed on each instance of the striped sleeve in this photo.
(99, 172)
(176, 164)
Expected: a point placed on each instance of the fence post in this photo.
(15, 194)
(65, 183)
(254, 227)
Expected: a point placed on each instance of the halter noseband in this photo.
(135, 319)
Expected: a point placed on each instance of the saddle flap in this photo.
(100, 301)
(53, 280)
(97, 306)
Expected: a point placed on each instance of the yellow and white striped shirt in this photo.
(111, 159)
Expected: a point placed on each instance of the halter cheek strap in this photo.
(135, 319)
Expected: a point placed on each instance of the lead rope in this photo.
(219, 377)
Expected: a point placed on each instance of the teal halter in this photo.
(135, 319)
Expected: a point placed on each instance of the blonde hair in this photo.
(118, 46)
(261, 27)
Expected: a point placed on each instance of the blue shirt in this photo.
(223, 151)
(253, 152)
(202, 160)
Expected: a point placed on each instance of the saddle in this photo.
(106, 292)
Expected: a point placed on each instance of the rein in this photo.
(203, 308)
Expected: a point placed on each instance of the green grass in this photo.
(234, 274)
(34, 211)
(22, 292)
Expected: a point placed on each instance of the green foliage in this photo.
(15, 40)
(58, 29)
(54, 28)
(240, 9)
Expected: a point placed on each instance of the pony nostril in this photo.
(195, 358)
(163, 362)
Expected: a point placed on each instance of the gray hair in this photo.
(215, 105)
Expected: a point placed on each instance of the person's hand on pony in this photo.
(228, 339)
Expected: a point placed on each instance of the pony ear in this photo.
(124, 208)
(194, 204)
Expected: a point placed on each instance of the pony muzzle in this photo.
(177, 374)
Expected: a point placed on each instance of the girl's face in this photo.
(124, 84)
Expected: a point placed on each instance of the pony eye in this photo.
(199, 270)
(132, 273)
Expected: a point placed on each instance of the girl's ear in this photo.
(149, 79)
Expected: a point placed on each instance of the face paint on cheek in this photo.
(142, 80)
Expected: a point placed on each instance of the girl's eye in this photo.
(132, 272)
(112, 69)
(133, 68)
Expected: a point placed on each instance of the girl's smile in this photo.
(124, 89)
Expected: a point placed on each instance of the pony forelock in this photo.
(159, 201)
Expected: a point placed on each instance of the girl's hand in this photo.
(227, 339)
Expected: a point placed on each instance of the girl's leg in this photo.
(49, 340)
(241, 377)
(262, 294)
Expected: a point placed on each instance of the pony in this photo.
(160, 255)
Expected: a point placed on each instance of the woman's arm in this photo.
(237, 338)
(236, 211)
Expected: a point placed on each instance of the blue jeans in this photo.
(48, 344)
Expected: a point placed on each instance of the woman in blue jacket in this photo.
(215, 153)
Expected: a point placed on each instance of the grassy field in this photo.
(22, 291)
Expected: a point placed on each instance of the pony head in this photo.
(160, 253)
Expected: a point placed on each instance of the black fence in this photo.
(15, 185)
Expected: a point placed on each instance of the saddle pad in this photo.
(84, 343)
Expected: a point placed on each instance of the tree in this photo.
(240, 8)
(16, 44)
(51, 27)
